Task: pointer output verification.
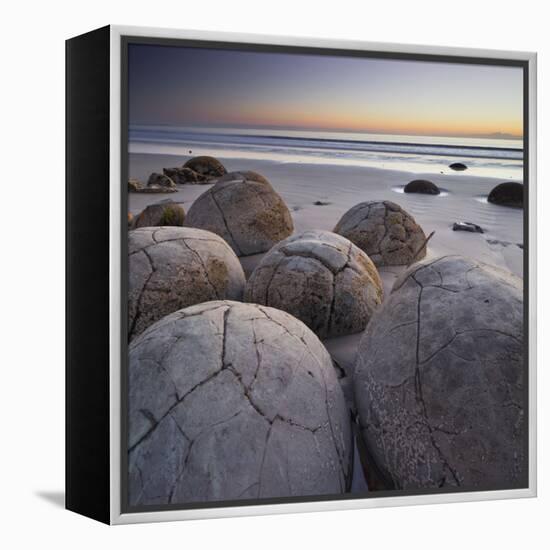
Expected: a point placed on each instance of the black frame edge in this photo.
(87, 450)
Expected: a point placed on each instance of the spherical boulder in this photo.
(164, 213)
(422, 186)
(209, 167)
(175, 267)
(386, 232)
(247, 213)
(234, 401)
(245, 175)
(458, 166)
(509, 193)
(160, 180)
(322, 279)
(439, 379)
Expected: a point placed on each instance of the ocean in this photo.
(485, 157)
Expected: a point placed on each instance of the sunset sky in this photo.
(199, 87)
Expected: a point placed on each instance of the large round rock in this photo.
(175, 267)
(234, 401)
(386, 232)
(439, 380)
(509, 193)
(207, 167)
(248, 175)
(322, 279)
(247, 213)
(163, 213)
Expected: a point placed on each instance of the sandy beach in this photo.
(338, 188)
(301, 185)
(463, 198)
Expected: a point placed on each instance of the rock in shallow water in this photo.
(507, 194)
(175, 267)
(439, 379)
(386, 232)
(234, 401)
(322, 279)
(247, 213)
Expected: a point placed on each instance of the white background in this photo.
(32, 271)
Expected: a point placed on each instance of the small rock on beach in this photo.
(422, 186)
(507, 194)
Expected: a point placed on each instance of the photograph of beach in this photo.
(325, 275)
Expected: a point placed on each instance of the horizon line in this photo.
(480, 135)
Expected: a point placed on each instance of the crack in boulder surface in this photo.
(230, 400)
(435, 370)
(183, 267)
(245, 210)
(322, 279)
(384, 231)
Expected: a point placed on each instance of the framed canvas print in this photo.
(300, 274)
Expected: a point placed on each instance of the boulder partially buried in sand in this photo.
(234, 401)
(167, 212)
(175, 267)
(458, 166)
(439, 381)
(208, 167)
(422, 186)
(322, 279)
(247, 213)
(507, 194)
(386, 232)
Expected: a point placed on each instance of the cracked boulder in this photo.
(234, 401)
(248, 175)
(163, 213)
(322, 279)
(439, 383)
(386, 232)
(175, 267)
(247, 213)
(206, 167)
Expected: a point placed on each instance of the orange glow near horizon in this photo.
(400, 123)
(236, 88)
